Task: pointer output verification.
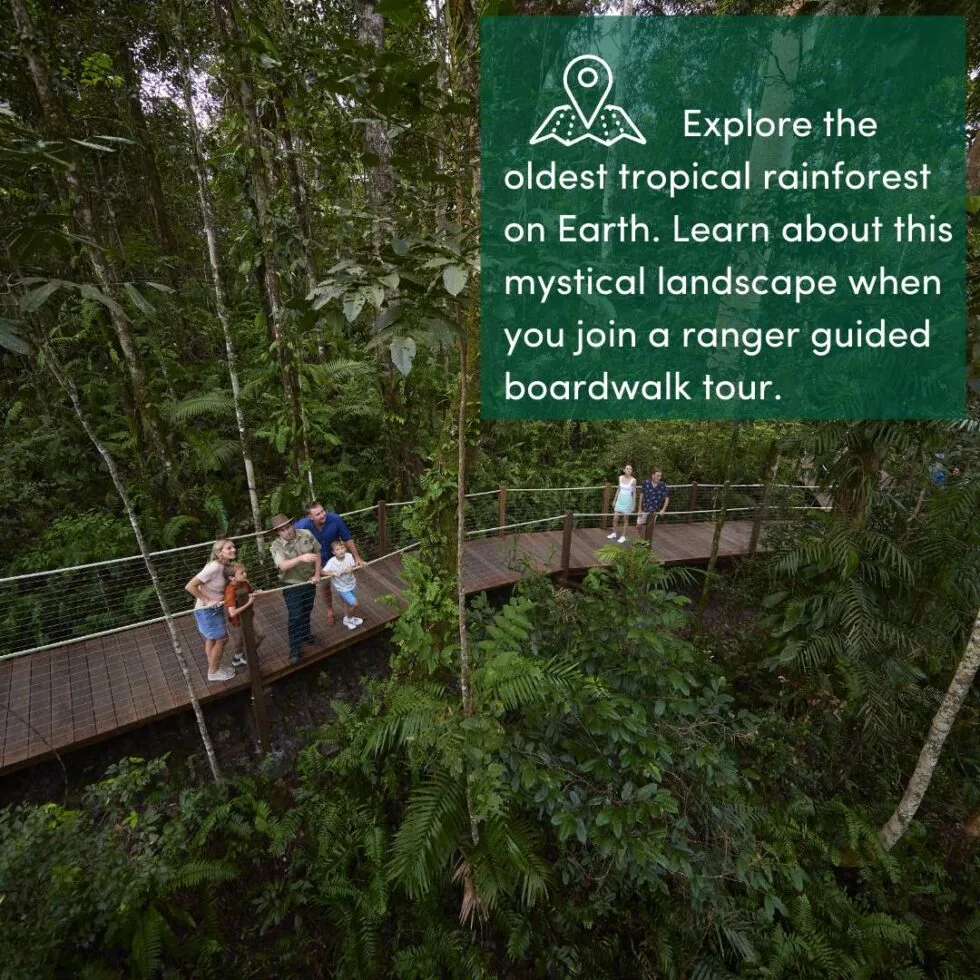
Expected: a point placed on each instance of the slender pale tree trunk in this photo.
(896, 825)
(262, 187)
(221, 307)
(53, 124)
(68, 385)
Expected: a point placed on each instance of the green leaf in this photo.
(403, 354)
(399, 246)
(137, 298)
(389, 316)
(391, 280)
(353, 306)
(375, 294)
(159, 287)
(94, 146)
(90, 292)
(454, 279)
(36, 298)
(9, 339)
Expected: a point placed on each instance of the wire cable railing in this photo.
(46, 609)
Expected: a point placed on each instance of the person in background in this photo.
(208, 588)
(297, 556)
(654, 498)
(625, 502)
(327, 527)
(341, 567)
(239, 596)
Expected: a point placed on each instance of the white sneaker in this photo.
(356, 620)
(622, 539)
(225, 674)
(611, 536)
(349, 623)
(239, 660)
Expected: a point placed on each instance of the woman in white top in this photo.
(208, 588)
(625, 502)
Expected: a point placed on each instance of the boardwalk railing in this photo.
(40, 610)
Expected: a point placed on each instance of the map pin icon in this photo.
(588, 81)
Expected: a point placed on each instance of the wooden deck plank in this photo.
(62, 724)
(39, 739)
(87, 690)
(120, 695)
(17, 734)
(82, 709)
(153, 667)
(6, 670)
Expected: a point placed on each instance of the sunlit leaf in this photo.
(138, 299)
(454, 279)
(403, 354)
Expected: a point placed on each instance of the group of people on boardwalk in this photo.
(653, 498)
(222, 592)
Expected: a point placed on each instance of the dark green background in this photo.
(906, 73)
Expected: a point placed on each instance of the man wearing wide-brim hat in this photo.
(297, 556)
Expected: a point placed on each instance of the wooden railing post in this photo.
(255, 678)
(692, 499)
(501, 510)
(382, 528)
(566, 543)
(606, 497)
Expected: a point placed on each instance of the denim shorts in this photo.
(211, 623)
(349, 597)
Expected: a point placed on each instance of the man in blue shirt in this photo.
(655, 496)
(327, 527)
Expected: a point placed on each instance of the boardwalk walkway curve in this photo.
(83, 657)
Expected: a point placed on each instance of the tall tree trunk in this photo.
(148, 163)
(719, 527)
(262, 187)
(297, 188)
(381, 178)
(221, 308)
(68, 385)
(896, 825)
(54, 125)
(381, 185)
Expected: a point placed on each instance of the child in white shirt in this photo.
(341, 569)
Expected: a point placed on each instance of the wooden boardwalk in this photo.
(86, 691)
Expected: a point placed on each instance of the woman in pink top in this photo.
(208, 588)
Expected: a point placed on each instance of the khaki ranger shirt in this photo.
(303, 543)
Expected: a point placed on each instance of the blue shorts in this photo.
(349, 597)
(211, 623)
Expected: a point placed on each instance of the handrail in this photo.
(50, 609)
(251, 535)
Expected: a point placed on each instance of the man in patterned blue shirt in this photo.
(655, 496)
(327, 527)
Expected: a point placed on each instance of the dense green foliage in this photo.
(633, 814)
(621, 794)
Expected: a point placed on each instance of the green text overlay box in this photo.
(723, 218)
